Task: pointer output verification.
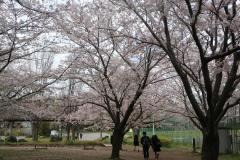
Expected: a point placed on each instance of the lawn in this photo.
(230, 157)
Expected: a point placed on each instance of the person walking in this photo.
(156, 145)
(136, 143)
(146, 142)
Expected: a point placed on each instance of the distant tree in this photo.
(26, 53)
(19, 29)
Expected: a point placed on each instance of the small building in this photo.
(230, 131)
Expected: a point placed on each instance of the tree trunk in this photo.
(73, 133)
(117, 139)
(11, 128)
(121, 142)
(210, 146)
(35, 130)
(68, 132)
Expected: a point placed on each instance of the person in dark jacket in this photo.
(146, 143)
(136, 143)
(156, 145)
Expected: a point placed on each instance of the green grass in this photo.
(183, 146)
(182, 137)
(96, 143)
(230, 157)
(47, 141)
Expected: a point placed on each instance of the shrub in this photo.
(165, 142)
(45, 129)
(22, 140)
(11, 139)
(55, 138)
(96, 143)
(104, 138)
(15, 132)
(128, 140)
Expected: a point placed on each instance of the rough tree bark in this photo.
(73, 133)
(117, 139)
(210, 146)
(35, 130)
(68, 127)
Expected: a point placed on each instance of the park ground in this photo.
(99, 153)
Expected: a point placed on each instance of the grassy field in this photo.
(229, 157)
(46, 140)
(180, 136)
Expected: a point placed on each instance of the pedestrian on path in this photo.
(136, 143)
(146, 143)
(156, 145)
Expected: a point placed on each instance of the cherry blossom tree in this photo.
(27, 40)
(201, 39)
(20, 28)
(115, 70)
(74, 116)
(21, 31)
(27, 35)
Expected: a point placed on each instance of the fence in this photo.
(177, 136)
